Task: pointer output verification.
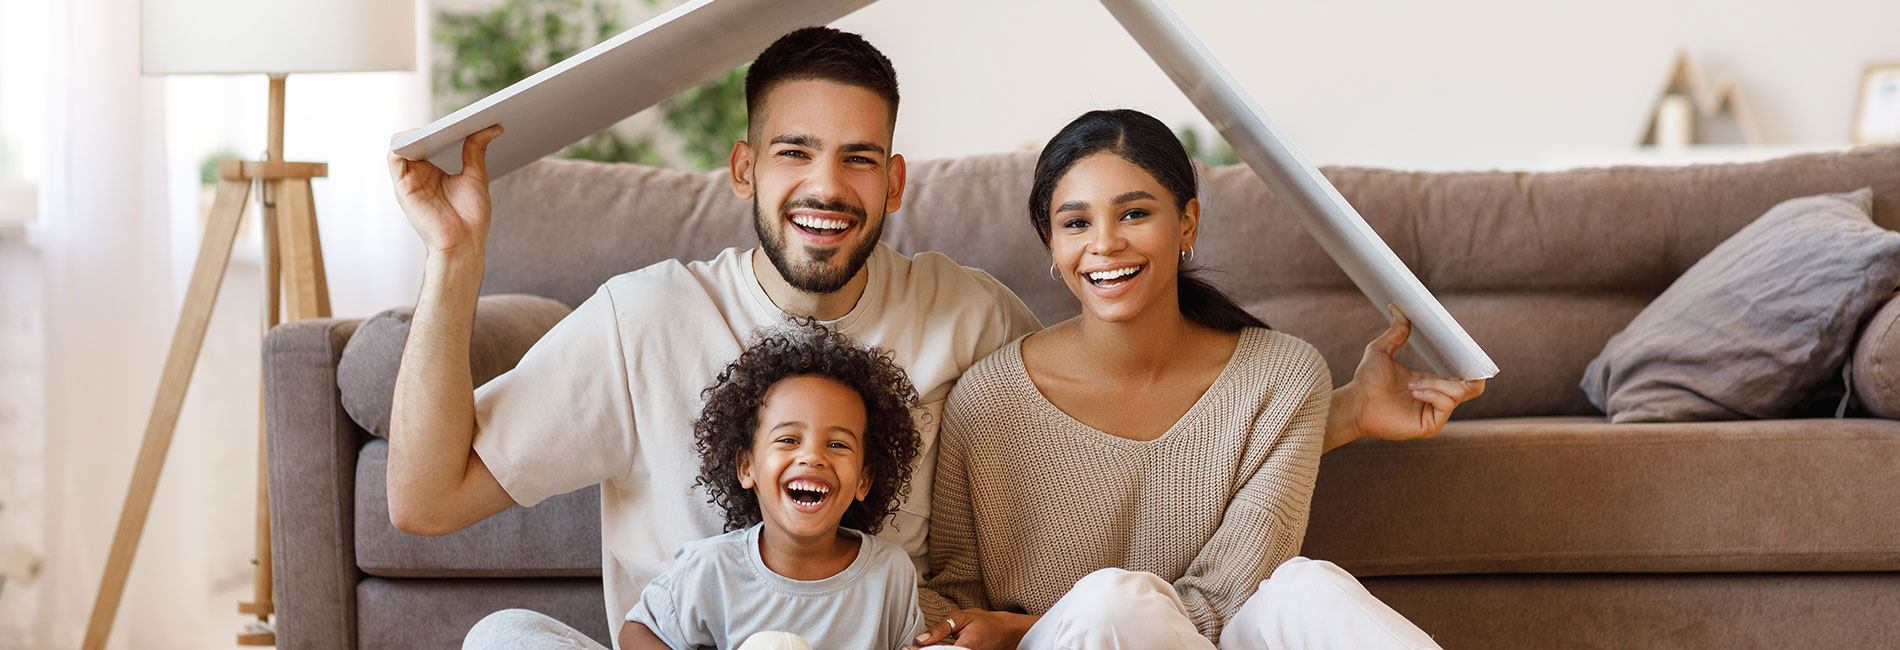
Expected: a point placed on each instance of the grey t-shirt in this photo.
(718, 592)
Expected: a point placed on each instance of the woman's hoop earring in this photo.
(1053, 273)
(1187, 255)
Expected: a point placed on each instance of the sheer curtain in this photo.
(120, 224)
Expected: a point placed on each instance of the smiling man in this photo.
(607, 397)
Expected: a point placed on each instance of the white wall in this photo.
(1402, 83)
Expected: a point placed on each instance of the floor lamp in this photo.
(273, 37)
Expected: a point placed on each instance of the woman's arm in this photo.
(1386, 401)
(956, 579)
(1266, 520)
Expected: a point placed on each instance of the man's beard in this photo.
(815, 276)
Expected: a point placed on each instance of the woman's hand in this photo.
(976, 628)
(1384, 400)
(448, 211)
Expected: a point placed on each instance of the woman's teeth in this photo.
(1113, 277)
(821, 225)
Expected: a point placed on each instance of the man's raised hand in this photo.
(448, 211)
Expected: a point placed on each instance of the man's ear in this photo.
(745, 471)
(741, 167)
(894, 173)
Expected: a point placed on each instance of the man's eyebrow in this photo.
(859, 147)
(1131, 196)
(797, 140)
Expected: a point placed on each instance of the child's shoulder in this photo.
(715, 550)
(885, 557)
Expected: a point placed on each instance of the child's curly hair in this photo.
(724, 431)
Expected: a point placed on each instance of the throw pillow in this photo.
(1876, 369)
(505, 327)
(1757, 324)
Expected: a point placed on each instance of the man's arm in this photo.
(436, 483)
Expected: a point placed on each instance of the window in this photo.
(23, 101)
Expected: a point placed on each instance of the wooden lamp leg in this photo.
(227, 209)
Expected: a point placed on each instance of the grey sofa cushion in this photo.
(505, 327)
(1876, 369)
(1754, 327)
(559, 537)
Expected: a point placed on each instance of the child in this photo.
(806, 443)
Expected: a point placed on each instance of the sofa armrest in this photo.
(1876, 362)
(312, 447)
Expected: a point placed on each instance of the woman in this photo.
(1164, 432)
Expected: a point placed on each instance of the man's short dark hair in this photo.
(820, 53)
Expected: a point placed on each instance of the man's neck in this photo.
(804, 304)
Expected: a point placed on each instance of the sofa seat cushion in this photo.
(558, 537)
(439, 613)
(1580, 495)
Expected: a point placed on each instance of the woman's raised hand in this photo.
(448, 211)
(980, 629)
(1385, 400)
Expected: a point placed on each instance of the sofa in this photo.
(1531, 521)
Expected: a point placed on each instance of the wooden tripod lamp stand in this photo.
(274, 37)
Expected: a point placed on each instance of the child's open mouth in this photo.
(807, 495)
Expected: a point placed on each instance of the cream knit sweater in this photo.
(1028, 500)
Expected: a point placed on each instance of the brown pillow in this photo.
(505, 327)
(1876, 371)
(1758, 324)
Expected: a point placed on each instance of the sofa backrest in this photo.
(1540, 268)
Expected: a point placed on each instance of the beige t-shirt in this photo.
(608, 396)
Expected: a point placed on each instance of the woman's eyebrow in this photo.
(1074, 205)
(1133, 196)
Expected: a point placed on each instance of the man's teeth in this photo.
(820, 223)
(1104, 276)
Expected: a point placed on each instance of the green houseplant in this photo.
(486, 50)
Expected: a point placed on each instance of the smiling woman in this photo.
(1177, 436)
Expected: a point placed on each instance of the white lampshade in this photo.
(276, 36)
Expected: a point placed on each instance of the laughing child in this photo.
(806, 443)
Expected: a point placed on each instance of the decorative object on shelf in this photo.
(1877, 112)
(274, 38)
(1691, 110)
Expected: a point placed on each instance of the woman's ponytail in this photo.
(1205, 305)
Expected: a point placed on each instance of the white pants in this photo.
(1304, 604)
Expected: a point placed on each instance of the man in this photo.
(607, 396)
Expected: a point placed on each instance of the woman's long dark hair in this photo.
(1143, 140)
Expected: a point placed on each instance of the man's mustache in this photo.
(836, 205)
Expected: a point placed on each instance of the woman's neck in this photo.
(1145, 346)
(801, 558)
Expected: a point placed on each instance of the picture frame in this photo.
(1877, 108)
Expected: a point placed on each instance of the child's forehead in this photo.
(809, 395)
